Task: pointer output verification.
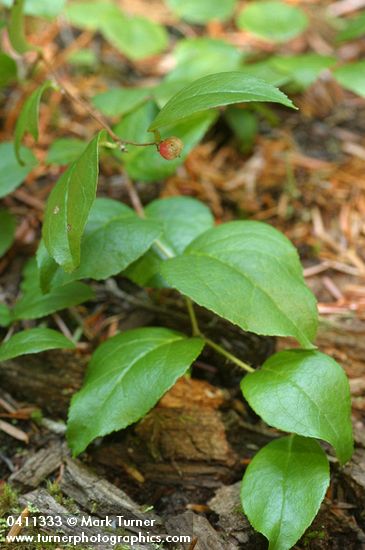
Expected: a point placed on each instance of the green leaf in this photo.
(34, 304)
(305, 392)
(202, 11)
(28, 118)
(182, 220)
(7, 230)
(244, 124)
(272, 20)
(135, 37)
(196, 57)
(303, 69)
(352, 28)
(266, 71)
(283, 488)
(110, 243)
(250, 274)
(120, 101)
(352, 77)
(85, 58)
(5, 318)
(126, 377)
(216, 90)
(11, 173)
(144, 163)
(68, 207)
(89, 15)
(65, 150)
(40, 8)
(33, 340)
(8, 70)
(16, 28)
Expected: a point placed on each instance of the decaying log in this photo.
(98, 496)
(39, 466)
(46, 505)
(47, 379)
(198, 527)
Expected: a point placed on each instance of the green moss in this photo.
(8, 500)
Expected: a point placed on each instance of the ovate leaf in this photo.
(182, 220)
(65, 150)
(305, 392)
(196, 57)
(126, 377)
(110, 243)
(28, 118)
(283, 488)
(119, 101)
(250, 274)
(34, 304)
(216, 90)
(272, 20)
(7, 230)
(69, 205)
(352, 77)
(33, 340)
(202, 11)
(11, 172)
(134, 36)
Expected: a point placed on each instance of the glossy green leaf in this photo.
(182, 220)
(144, 163)
(216, 90)
(126, 377)
(28, 118)
(197, 57)
(5, 317)
(33, 340)
(65, 150)
(11, 172)
(352, 77)
(272, 20)
(7, 230)
(305, 392)
(120, 101)
(136, 37)
(68, 207)
(110, 243)
(203, 10)
(352, 28)
(250, 274)
(34, 304)
(283, 488)
(8, 70)
(16, 28)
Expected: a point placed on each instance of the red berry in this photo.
(170, 148)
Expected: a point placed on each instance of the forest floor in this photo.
(305, 176)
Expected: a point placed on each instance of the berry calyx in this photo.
(170, 148)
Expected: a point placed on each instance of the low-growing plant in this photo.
(246, 272)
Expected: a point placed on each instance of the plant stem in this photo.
(75, 99)
(193, 319)
(228, 355)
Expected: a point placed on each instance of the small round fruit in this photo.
(170, 148)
